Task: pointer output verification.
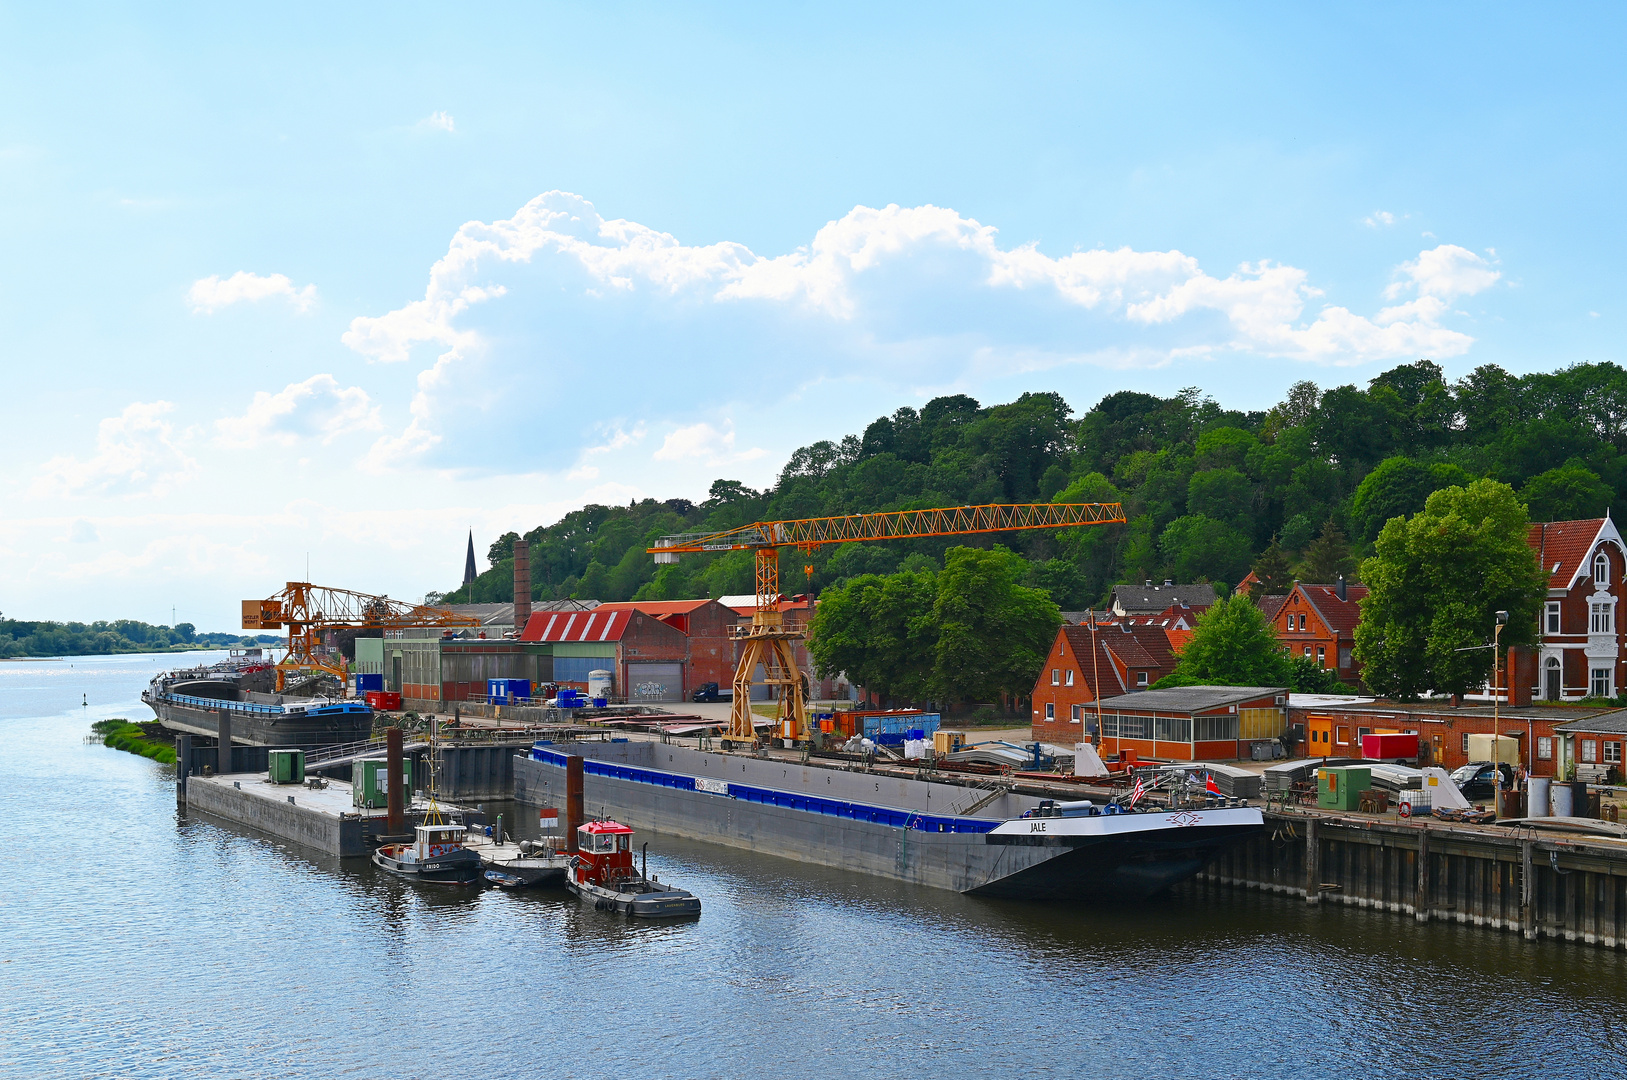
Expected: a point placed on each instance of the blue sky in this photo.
(352, 283)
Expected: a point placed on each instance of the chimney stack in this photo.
(1339, 588)
(522, 586)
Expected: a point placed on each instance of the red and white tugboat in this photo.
(602, 871)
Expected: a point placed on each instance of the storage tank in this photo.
(1537, 795)
(600, 684)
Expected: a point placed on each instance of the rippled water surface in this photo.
(137, 942)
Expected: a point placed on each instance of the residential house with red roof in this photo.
(1581, 635)
(1319, 622)
(1107, 658)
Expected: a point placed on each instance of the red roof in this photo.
(595, 625)
(1337, 615)
(1271, 603)
(1561, 547)
(604, 827)
(656, 608)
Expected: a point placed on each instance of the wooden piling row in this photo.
(1538, 885)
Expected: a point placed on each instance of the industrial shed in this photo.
(1193, 723)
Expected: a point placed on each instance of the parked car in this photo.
(1474, 779)
(705, 692)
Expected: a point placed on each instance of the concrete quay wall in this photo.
(313, 827)
(1538, 884)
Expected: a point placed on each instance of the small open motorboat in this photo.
(520, 865)
(602, 871)
(436, 855)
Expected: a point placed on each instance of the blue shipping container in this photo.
(368, 683)
(891, 730)
(498, 690)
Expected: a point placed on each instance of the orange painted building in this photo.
(1193, 723)
(1121, 657)
(1319, 622)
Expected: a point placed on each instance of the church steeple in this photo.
(469, 572)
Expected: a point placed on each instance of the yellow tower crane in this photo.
(307, 610)
(769, 639)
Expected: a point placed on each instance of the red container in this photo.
(386, 700)
(1388, 747)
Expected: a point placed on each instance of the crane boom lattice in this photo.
(769, 641)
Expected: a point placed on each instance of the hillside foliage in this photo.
(1206, 488)
(34, 638)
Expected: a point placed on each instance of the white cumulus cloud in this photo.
(212, 293)
(317, 408)
(1379, 218)
(705, 443)
(559, 303)
(138, 452)
(439, 121)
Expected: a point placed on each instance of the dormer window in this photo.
(1601, 568)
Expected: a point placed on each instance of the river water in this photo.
(139, 943)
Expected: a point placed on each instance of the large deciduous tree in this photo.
(1435, 582)
(880, 630)
(993, 634)
(1232, 645)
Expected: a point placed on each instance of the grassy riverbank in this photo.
(121, 734)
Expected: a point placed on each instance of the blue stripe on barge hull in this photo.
(813, 804)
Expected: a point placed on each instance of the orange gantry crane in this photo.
(307, 610)
(769, 639)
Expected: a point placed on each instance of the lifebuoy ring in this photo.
(1405, 809)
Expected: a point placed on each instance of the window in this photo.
(1345, 656)
(1361, 731)
(1545, 747)
(1302, 621)
(1070, 677)
(1056, 677)
(1612, 753)
(1590, 750)
(1599, 686)
(1215, 728)
(1321, 656)
(1173, 728)
(1078, 711)
(1601, 568)
(1050, 711)
(1343, 736)
(1141, 678)
(1126, 727)
(1465, 744)
(1553, 618)
(1600, 618)
(1307, 652)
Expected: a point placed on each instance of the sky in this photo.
(311, 292)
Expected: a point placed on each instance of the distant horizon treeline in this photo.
(1302, 488)
(20, 637)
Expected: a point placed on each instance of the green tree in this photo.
(1567, 493)
(1232, 645)
(1434, 583)
(1271, 569)
(993, 634)
(1306, 676)
(1398, 488)
(1328, 557)
(881, 631)
(1200, 548)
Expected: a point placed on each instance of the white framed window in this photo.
(1078, 712)
(1069, 679)
(1601, 618)
(1141, 678)
(1612, 753)
(1601, 568)
(1050, 710)
(1600, 684)
(1553, 618)
(1302, 622)
(1545, 747)
(1465, 744)
(1056, 677)
(1321, 656)
(1342, 735)
(1307, 651)
(1590, 751)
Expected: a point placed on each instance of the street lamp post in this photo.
(1496, 713)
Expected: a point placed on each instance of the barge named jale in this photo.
(925, 832)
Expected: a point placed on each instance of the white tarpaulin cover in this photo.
(1086, 761)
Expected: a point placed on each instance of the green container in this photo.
(370, 786)
(1340, 788)
(287, 766)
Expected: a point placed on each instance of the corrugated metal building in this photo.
(1193, 723)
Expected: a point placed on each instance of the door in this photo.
(655, 682)
(1319, 732)
(395, 673)
(1550, 685)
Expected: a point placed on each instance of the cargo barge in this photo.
(943, 835)
(192, 701)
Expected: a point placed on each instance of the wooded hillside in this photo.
(1206, 488)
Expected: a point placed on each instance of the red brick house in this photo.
(1334, 730)
(1108, 658)
(1580, 626)
(1319, 622)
